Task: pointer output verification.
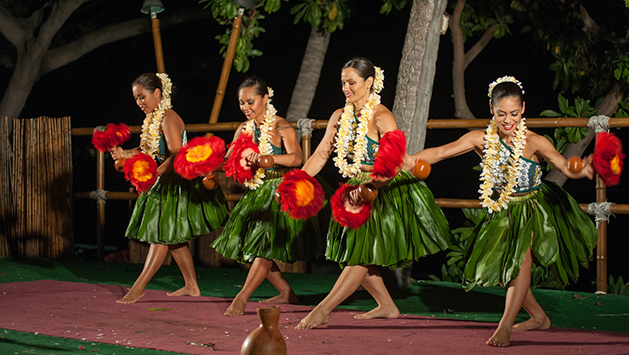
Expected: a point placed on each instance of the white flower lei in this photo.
(149, 139)
(264, 145)
(344, 135)
(490, 164)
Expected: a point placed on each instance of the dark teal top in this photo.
(372, 146)
(530, 171)
(256, 138)
(162, 152)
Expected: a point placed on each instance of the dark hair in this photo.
(506, 89)
(150, 81)
(254, 81)
(363, 66)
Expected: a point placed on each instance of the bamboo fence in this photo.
(37, 188)
(203, 252)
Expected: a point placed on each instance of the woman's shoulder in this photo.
(282, 123)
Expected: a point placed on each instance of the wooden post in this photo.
(157, 43)
(227, 64)
(100, 206)
(601, 247)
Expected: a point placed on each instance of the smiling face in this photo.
(507, 113)
(145, 99)
(354, 87)
(251, 103)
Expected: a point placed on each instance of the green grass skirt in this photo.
(176, 210)
(258, 227)
(405, 224)
(563, 237)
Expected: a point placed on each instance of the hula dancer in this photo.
(258, 231)
(523, 217)
(174, 210)
(404, 223)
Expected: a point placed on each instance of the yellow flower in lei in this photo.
(264, 145)
(149, 139)
(491, 166)
(345, 134)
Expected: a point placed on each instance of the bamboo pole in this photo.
(5, 203)
(227, 64)
(305, 147)
(67, 227)
(157, 43)
(601, 247)
(100, 206)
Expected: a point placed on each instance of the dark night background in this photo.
(96, 90)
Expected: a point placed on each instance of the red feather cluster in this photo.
(141, 171)
(346, 214)
(301, 195)
(608, 158)
(390, 157)
(199, 157)
(111, 136)
(236, 166)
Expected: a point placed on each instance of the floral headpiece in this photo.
(167, 86)
(271, 92)
(504, 79)
(378, 81)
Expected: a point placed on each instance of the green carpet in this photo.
(566, 309)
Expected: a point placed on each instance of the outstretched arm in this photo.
(325, 147)
(472, 141)
(557, 161)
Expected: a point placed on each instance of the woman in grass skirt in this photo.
(524, 218)
(405, 223)
(174, 210)
(258, 231)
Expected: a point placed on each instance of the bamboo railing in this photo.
(307, 125)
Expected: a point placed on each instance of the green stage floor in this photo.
(566, 309)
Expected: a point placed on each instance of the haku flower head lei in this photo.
(149, 139)
(492, 173)
(264, 145)
(503, 79)
(345, 133)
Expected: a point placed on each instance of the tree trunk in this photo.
(608, 107)
(309, 73)
(417, 71)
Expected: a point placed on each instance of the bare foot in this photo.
(237, 308)
(500, 338)
(533, 324)
(289, 298)
(132, 296)
(186, 291)
(380, 312)
(313, 320)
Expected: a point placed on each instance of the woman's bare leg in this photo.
(538, 321)
(257, 273)
(287, 295)
(351, 277)
(516, 294)
(154, 259)
(183, 258)
(374, 284)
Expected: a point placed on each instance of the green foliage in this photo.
(388, 5)
(589, 56)
(326, 15)
(623, 108)
(621, 65)
(619, 287)
(452, 270)
(565, 135)
(484, 15)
